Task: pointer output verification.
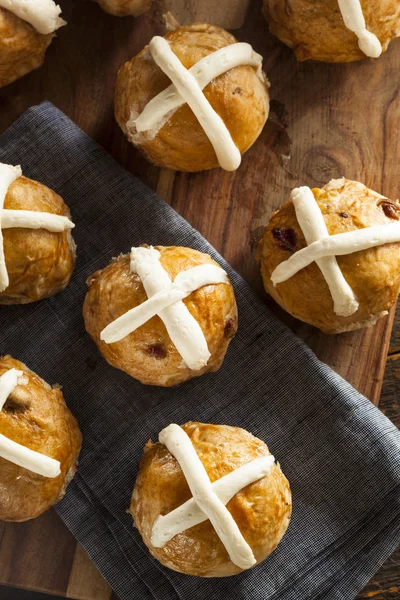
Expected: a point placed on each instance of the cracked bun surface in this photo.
(22, 48)
(123, 8)
(238, 96)
(261, 510)
(39, 262)
(148, 354)
(36, 416)
(373, 274)
(316, 31)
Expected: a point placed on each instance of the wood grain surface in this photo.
(326, 121)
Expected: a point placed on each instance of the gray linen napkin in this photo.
(340, 454)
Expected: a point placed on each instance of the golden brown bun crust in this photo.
(123, 8)
(22, 48)
(148, 353)
(373, 275)
(262, 510)
(39, 263)
(316, 31)
(238, 96)
(35, 415)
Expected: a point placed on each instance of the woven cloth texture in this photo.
(340, 454)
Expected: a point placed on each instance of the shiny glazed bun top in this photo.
(335, 282)
(163, 315)
(181, 521)
(39, 443)
(123, 8)
(26, 30)
(334, 30)
(184, 128)
(35, 239)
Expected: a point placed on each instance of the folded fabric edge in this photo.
(358, 576)
(357, 539)
(119, 532)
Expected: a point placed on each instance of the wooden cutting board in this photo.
(326, 121)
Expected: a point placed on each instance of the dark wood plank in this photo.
(386, 583)
(316, 131)
(390, 398)
(37, 554)
(10, 593)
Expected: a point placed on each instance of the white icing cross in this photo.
(22, 218)
(209, 499)
(354, 20)
(323, 249)
(313, 226)
(187, 86)
(16, 453)
(165, 300)
(43, 15)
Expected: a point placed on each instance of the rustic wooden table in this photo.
(322, 125)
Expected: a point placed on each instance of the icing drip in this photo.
(162, 106)
(227, 152)
(165, 300)
(8, 382)
(337, 245)
(313, 226)
(43, 15)
(16, 453)
(180, 446)
(22, 218)
(354, 20)
(190, 514)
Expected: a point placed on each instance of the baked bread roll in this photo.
(35, 239)
(338, 294)
(220, 124)
(195, 300)
(123, 8)
(258, 507)
(39, 443)
(334, 30)
(26, 30)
